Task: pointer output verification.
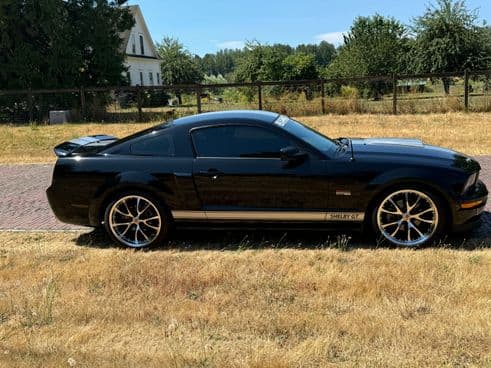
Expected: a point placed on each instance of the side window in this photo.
(142, 47)
(238, 141)
(133, 44)
(161, 145)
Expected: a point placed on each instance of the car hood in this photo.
(411, 150)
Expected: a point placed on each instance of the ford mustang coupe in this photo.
(256, 168)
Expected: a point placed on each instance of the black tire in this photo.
(124, 225)
(400, 224)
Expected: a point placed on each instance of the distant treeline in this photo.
(224, 62)
(77, 43)
(447, 37)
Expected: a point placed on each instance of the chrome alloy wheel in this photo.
(135, 221)
(407, 217)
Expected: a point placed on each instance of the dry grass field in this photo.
(277, 305)
(76, 300)
(469, 133)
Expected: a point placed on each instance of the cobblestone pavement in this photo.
(24, 206)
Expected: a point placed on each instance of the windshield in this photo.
(312, 137)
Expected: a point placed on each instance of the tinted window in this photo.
(238, 141)
(161, 145)
(308, 135)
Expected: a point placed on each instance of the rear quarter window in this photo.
(161, 145)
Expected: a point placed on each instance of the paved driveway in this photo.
(24, 205)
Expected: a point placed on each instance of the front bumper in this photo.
(465, 219)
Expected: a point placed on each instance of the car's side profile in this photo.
(257, 167)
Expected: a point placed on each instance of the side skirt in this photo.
(282, 216)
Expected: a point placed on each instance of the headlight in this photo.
(470, 182)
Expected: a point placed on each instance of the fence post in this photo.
(394, 93)
(82, 102)
(260, 95)
(198, 98)
(30, 105)
(139, 102)
(466, 90)
(323, 97)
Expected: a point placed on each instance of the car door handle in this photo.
(212, 173)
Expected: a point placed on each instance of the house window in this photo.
(142, 47)
(158, 79)
(150, 77)
(133, 44)
(141, 78)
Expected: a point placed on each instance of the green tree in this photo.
(300, 66)
(223, 62)
(262, 62)
(373, 46)
(324, 52)
(448, 39)
(485, 36)
(31, 46)
(178, 64)
(96, 27)
(56, 43)
(250, 63)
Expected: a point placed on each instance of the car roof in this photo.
(227, 116)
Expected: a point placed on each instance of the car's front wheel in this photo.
(136, 220)
(408, 217)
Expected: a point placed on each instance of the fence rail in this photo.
(391, 83)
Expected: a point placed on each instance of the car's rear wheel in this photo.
(409, 217)
(136, 220)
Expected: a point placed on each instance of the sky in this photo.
(209, 25)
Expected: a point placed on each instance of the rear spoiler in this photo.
(83, 145)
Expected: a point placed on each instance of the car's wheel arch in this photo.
(143, 183)
(434, 189)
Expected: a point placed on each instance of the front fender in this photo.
(447, 183)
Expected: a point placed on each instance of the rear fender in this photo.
(164, 190)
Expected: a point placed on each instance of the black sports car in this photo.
(254, 167)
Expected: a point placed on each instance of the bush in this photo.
(349, 92)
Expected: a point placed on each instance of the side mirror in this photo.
(291, 153)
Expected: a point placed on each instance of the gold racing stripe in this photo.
(270, 216)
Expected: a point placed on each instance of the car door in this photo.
(238, 168)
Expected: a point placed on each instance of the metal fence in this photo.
(416, 93)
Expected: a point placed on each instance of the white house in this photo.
(142, 59)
